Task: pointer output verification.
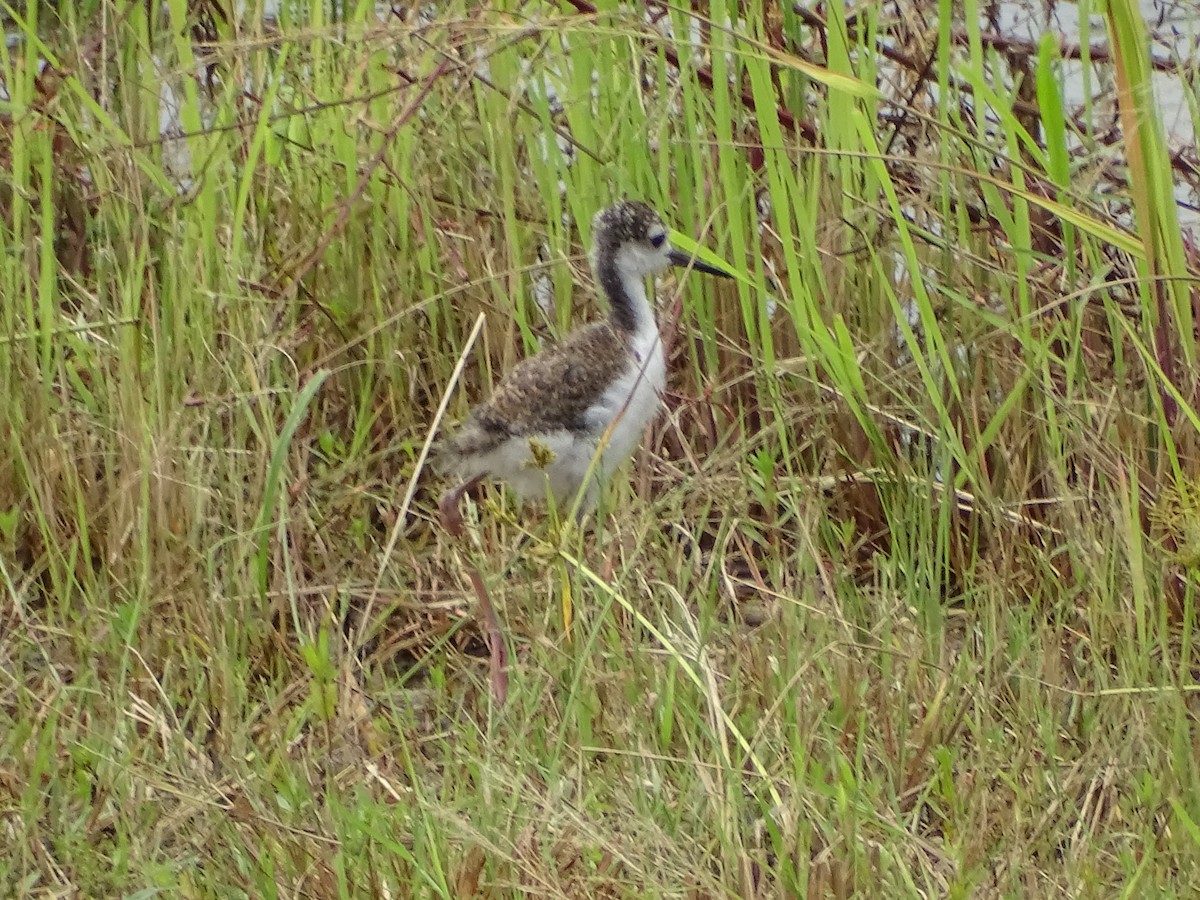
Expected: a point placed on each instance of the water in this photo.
(1176, 29)
(1175, 26)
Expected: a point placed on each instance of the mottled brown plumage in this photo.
(551, 390)
(571, 413)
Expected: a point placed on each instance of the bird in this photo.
(595, 390)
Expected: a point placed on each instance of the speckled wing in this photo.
(549, 391)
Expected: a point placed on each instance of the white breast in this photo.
(632, 401)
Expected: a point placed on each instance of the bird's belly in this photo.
(557, 460)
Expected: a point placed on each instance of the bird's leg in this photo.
(495, 636)
(452, 521)
(448, 511)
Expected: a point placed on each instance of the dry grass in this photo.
(899, 598)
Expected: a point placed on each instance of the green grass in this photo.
(899, 599)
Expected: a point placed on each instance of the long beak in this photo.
(679, 258)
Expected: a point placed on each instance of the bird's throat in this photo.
(629, 304)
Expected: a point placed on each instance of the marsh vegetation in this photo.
(898, 598)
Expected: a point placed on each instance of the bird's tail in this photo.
(457, 454)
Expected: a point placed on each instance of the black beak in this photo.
(679, 258)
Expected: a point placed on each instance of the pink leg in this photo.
(448, 512)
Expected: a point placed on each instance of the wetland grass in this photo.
(900, 601)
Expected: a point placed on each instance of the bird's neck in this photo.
(629, 305)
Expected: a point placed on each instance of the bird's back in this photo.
(553, 390)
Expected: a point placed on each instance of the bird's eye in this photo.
(657, 239)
